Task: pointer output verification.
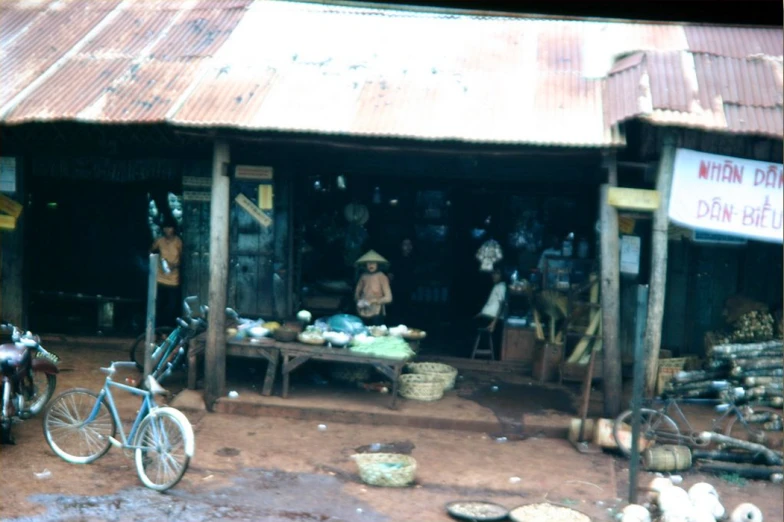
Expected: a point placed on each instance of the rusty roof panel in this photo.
(47, 37)
(742, 81)
(148, 93)
(72, 89)
(223, 100)
(734, 42)
(762, 120)
(197, 32)
(673, 86)
(275, 65)
(130, 33)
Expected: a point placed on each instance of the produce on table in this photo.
(389, 347)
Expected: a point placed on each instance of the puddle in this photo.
(254, 495)
(227, 452)
(404, 447)
(511, 402)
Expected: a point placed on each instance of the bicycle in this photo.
(658, 426)
(171, 345)
(80, 426)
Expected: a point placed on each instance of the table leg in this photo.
(285, 372)
(395, 385)
(272, 369)
(193, 369)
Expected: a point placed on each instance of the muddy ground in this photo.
(274, 469)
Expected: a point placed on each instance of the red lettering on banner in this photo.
(727, 172)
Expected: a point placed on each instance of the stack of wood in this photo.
(756, 367)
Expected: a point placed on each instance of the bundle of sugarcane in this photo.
(756, 325)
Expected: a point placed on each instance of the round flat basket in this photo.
(476, 510)
(421, 387)
(546, 511)
(443, 372)
(316, 341)
(391, 470)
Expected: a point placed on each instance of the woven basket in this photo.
(443, 372)
(421, 387)
(391, 470)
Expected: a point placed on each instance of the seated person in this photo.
(490, 313)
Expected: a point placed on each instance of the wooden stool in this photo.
(490, 350)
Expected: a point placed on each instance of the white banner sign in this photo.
(731, 196)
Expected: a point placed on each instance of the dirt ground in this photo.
(258, 468)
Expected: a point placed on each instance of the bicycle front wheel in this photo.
(68, 432)
(137, 348)
(164, 447)
(763, 426)
(655, 427)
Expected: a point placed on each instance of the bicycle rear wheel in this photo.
(69, 434)
(164, 447)
(764, 426)
(655, 427)
(137, 348)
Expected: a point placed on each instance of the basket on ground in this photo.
(421, 387)
(391, 470)
(443, 372)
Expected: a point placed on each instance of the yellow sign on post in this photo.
(7, 222)
(10, 207)
(633, 199)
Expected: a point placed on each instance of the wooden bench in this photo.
(266, 349)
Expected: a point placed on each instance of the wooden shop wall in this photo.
(700, 277)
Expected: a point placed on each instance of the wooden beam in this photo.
(610, 274)
(658, 279)
(215, 354)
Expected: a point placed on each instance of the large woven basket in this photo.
(443, 372)
(391, 470)
(421, 387)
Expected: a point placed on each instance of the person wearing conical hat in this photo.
(372, 293)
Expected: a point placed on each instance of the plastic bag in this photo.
(350, 324)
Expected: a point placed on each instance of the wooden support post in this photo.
(658, 279)
(215, 355)
(610, 257)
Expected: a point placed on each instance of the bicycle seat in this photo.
(154, 387)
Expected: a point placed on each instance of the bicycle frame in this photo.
(668, 405)
(148, 403)
(162, 352)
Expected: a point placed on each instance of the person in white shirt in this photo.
(492, 309)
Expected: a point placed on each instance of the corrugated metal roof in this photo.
(274, 65)
(736, 95)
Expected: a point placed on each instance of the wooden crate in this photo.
(668, 368)
(519, 344)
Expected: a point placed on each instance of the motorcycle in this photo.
(29, 377)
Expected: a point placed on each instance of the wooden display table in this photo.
(295, 354)
(266, 349)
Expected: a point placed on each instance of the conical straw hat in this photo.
(371, 256)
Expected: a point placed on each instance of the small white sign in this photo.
(630, 255)
(8, 175)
